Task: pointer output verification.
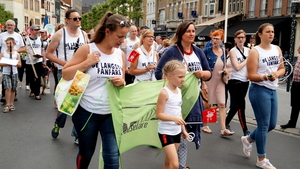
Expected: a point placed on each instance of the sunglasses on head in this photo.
(75, 19)
(124, 23)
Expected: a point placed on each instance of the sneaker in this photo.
(55, 131)
(76, 142)
(247, 147)
(247, 133)
(27, 87)
(228, 128)
(20, 84)
(265, 164)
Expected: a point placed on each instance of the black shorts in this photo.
(168, 139)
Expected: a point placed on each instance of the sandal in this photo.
(206, 129)
(38, 98)
(12, 107)
(226, 132)
(43, 93)
(31, 95)
(187, 167)
(6, 109)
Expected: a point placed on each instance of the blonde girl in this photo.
(168, 111)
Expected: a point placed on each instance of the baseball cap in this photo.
(43, 30)
(34, 27)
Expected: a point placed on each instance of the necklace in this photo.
(188, 53)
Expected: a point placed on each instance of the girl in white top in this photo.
(168, 111)
(10, 74)
(104, 61)
(238, 83)
(145, 64)
(264, 67)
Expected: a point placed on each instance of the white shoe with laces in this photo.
(247, 147)
(264, 164)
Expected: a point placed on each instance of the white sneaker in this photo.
(20, 84)
(265, 164)
(27, 87)
(247, 147)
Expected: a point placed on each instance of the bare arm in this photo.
(52, 47)
(160, 106)
(235, 64)
(19, 60)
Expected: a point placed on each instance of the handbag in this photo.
(225, 76)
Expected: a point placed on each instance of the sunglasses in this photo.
(124, 23)
(76, 18)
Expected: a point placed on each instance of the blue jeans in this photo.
(87, 131)
(265, 107)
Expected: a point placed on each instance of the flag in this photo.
(209, 116)
(134, 111)
(133, 55)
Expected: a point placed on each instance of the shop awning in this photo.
(216, 20)
(205, 31)
(251, 26)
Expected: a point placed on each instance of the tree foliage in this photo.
(131, 9)
(5, 15)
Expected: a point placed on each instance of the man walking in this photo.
(127, 47)
(295, 92)
(19, 47)
(64, 43)
(34, 61)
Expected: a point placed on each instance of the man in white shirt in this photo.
(127, 47)
(64, 43)
(19, 47)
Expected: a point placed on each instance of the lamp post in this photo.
(292, 41)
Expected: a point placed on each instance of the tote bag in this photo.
(69, 92)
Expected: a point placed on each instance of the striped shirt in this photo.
(296, 75)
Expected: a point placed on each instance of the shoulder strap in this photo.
(84, 38)
(187, 66)
(64, 36)
(241, 52)
(224, 58)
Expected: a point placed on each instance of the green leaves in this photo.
(128, 8)
(5, 15)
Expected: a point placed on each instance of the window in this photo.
(37, 21)
(31, 5)
(277, 7)
(175, 10)
(209, 8)
(37, 6)
(251, 8)
(161, 17)
(43, 4)
(170, 11)
(263, 8)
(25, 4)
(26, 22)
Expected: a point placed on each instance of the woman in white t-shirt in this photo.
(144, 65)
(264, 67)
(238, 83)
(104, 61)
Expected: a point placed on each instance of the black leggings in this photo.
(237, 91)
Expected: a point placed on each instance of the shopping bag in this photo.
(69, 92)
(209, 116)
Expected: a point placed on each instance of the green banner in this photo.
(134, 110)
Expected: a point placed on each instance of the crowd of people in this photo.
(71, 49)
